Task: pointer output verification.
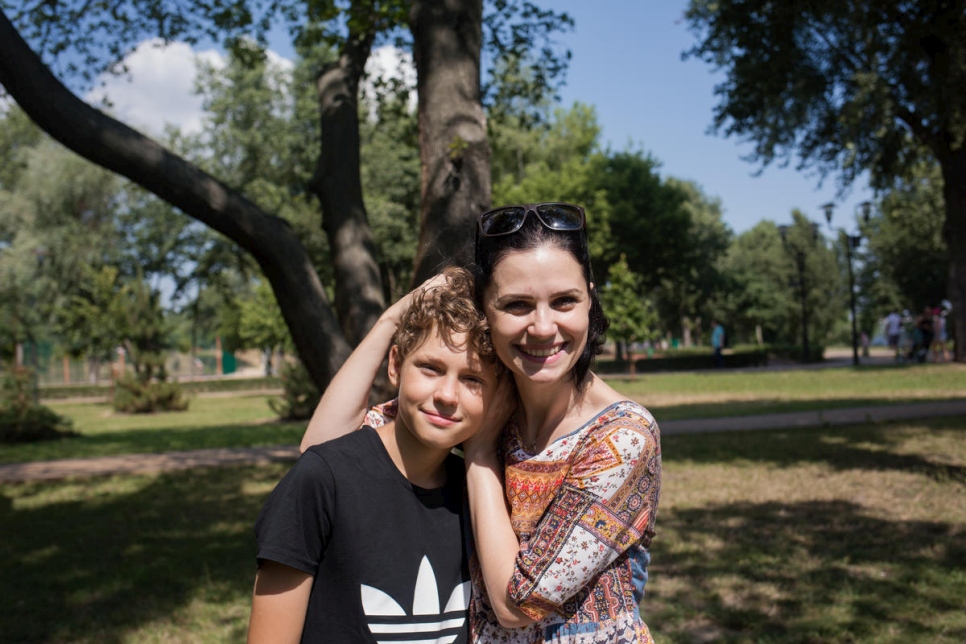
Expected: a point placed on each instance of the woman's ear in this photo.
(395, 365)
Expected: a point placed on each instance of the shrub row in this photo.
(689, 361)
(59, 392)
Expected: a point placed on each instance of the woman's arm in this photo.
(344, 402)
(279, 604)
(495, 542)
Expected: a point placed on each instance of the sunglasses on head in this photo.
(509, 219)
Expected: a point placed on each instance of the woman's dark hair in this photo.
(532, 235)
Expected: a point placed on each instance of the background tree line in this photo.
(398, 199)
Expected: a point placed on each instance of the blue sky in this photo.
(627, 64)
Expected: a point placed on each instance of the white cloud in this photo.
(388, 62)
(159, 88)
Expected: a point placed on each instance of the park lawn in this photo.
(245, 420)
(838, 534)
(708, 394)
(234, 420)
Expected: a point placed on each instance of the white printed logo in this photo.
(427, 624)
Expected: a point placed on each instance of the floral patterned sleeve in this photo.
(604, 507)
(379, 415)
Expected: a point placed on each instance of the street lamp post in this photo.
(851, 242)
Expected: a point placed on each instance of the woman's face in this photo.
(538, 307)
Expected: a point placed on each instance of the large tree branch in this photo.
(115, 146)
(455, 153)
(337, 184)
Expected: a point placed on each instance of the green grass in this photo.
(707, 394)
(850, 534)
(217, 421)
(240, 420)
(164, 558)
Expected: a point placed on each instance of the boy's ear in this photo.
(395, 366)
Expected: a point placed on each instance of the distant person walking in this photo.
(893, 329)
(940, 336)
(717, 342)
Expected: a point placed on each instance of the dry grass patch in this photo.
(851, 534)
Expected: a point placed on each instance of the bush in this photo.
(21, 419)
(794, 352)
(301, 396)
(683, 360)
(132, 396)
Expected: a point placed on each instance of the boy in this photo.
(362, 541)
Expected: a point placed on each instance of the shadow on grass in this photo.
(804, 572)
(775, 406)
(140, 441)
(844, 448)
(129, 551)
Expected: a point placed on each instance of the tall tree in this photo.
(848, 86)
(454, 171)
(904, 261)
(780, 282)
(688, 290)
(633, 317)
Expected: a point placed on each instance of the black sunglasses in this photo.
(509, 219)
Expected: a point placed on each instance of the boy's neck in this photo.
(423, 466)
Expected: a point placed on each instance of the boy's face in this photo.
(443, 392)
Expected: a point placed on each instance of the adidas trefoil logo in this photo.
(389, 622)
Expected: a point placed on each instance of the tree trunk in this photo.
(954, 233)
(116, 147)
(454, 152)
(337, 184)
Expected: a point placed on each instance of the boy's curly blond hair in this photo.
(450, 309)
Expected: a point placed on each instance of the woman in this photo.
(580, 464)
(563, 500)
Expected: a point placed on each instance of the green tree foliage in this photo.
(848, 87)
(260, 323)
(692, 282)
(633, 318)
(905, 262)
(559, 161)
(765, 280)
(390, 169)
(55, 220)
(648, 217)
(757, 294)
(89, 323)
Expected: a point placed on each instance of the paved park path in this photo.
(167, 461)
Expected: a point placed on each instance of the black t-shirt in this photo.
(389, 558)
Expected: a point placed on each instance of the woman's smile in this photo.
(541, 353)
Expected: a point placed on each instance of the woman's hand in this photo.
(500, 407)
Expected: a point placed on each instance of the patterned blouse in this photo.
(584, 511)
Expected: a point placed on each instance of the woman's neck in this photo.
(554, 410)
(546, 408)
